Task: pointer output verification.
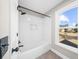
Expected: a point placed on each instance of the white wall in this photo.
(32, 31)
(4, 18)
(47, 29)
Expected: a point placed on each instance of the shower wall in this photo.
(31, 31)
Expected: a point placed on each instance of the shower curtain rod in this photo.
(31, 10)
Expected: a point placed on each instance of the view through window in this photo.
(68, 27)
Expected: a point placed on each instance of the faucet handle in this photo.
(15, 49)
(21, 45)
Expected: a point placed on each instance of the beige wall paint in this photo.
(64, 51)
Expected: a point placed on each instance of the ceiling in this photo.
(41, 6)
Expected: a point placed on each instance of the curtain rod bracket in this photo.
(31, 10)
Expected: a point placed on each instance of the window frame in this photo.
(63, 9)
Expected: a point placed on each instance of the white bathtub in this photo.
(34, 53)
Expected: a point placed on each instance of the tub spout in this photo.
(15, 50)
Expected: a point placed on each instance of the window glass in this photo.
(68, 27)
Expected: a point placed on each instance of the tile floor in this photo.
(49, 55)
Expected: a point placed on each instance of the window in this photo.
(67, 27)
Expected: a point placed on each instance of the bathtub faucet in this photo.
(16, 49)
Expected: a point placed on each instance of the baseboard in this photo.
(59, 54)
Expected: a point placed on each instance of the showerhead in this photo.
(22, 12)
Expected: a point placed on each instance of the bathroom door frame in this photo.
(13, 27)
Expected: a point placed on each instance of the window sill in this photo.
(72, 49)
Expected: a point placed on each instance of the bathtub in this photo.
(35, 52)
